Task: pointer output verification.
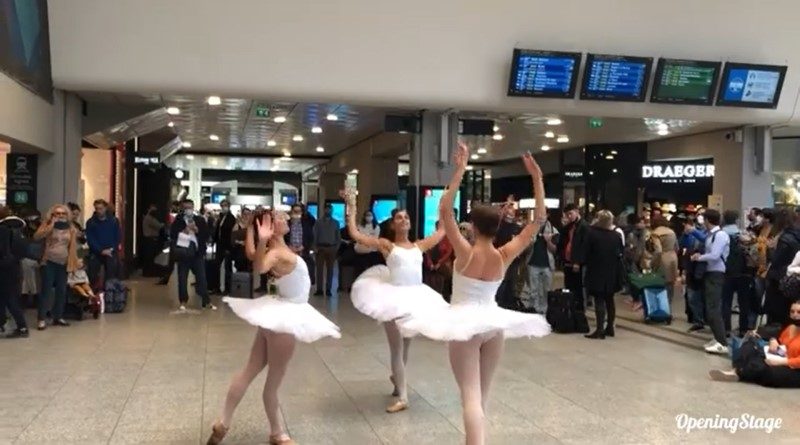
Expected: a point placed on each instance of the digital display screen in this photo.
(544, 74)
(338, 210)
(618, 78)
(688, 82)
(313, 209)
(430, 203)
(382, 209)
(756, 86)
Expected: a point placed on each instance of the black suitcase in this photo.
(242, 285)
(563, 312)
(212, 274)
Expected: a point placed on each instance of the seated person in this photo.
(78, 281)
(779, 371)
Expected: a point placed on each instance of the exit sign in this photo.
(595, 122)
(262, 111)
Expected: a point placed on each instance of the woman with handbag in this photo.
(604, 253)
(60, 258)
(777, 367)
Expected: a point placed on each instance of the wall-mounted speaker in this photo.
(762, 149)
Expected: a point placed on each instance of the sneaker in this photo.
(19, 333)
(696, 327)
(41, 325)
(717, 348)
(210, 306)
(719, 375)
(709, 343)
(60, 322)
(182, 308)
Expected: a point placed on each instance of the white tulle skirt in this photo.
(298, 319)
(462, 321)
(375, 296)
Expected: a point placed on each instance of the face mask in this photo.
(224, 210)
(700, 220)
(61, 224)
(188, 212)
(368, 219)
(795, 322)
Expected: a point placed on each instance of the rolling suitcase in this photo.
(656, 305)
(242, 285)
(560, 311)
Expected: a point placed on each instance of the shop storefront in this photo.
(673, 186)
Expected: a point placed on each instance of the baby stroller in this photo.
(652, 289)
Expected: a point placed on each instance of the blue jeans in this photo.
(54, 276)
(697, 305)
(198, 267)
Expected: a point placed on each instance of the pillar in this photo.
(756, 169)
(330, 184)
(59, 172)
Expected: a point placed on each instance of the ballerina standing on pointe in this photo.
(389, 292)
(473, 324)
(281, 320)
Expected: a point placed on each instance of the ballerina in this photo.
(389, 292)
(281, 320)
(473, 324)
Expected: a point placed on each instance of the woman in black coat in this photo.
(604, 252)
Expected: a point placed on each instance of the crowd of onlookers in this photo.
(52, 262)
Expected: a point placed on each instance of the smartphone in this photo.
(61, 225)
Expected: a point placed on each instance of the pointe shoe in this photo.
(281, 439)
(395, 392)
(396, 407)
(218, 432)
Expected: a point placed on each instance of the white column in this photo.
(60, 171)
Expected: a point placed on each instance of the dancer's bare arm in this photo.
(519, 243)
(374, 242)
(446, 215)
(430, 242)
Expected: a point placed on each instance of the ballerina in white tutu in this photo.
(389, 292)
(281, 320)
(473, 324)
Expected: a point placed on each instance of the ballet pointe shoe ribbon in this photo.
(218, 432)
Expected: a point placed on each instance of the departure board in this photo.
(752, 86)
(544, 74)
(617, 78)
(689, 82)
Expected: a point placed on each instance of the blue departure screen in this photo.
(313, 209)
(338, 213)
(430, 209)
(382, 209)
(543, 74)
(616, 78)
(751, 85)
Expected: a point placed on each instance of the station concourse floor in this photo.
(147, 376)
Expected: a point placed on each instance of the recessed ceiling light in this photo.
(663, 132)
(187, 144)
(554, 121)
(614, 152)
(279, 119)
(297, 138)
(271, 143)
(549, 135)
(790, 182)
(469, 167)
(286, 157)
(171, 124)
(498, 137)
(482, 151)
(287, 154)
(179, 174)
(545, 147)
(190, 157)
(475, 157)
(173, 111)
(610, 157)
(615, 170)
(332, 117)
(316, 130)
(591, 173)
(214, 100)
(495, 128)
(562, 139)
(320, 149)
(663, 126)
(274, 168)
(213, 137)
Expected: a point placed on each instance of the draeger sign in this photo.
(679, 172)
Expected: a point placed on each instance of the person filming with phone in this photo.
(189, 234)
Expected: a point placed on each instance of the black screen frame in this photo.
(721, 102)
(591, 57)
(573, 84)
(661, 99)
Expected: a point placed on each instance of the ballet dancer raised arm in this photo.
(473, 324)
(389, 292)
(280, 319)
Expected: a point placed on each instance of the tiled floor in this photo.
(146, 376)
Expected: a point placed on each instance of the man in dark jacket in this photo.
(571, 249)
(11, 274)
(301, 235)
(190, 235)
(103, 237)
(223, 230)
(506, 296)
(776, 304)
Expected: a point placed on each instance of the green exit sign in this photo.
(262, 111)
(595, 122)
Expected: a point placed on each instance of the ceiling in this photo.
(246, 128)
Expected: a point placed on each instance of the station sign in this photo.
(678, 172)
(149, 160)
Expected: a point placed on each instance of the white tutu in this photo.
(461, 322)
(374, 295)
(271, 312)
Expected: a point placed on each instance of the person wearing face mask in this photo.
(223, 232)
(60, 257)
(151, 234)
(103, 236)
(327, 239)
(778, 366)
(190, 236)
(300, 238)
(366, 256)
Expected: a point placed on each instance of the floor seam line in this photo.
(130, 394)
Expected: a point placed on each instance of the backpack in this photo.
(736, 263)
(18, 247)
(115, 296)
